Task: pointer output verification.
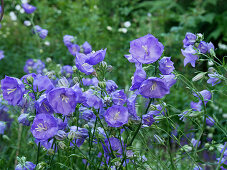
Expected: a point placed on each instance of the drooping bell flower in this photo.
(194, 142)
(131, 102)
(42, 83)
(146, 49)
(111, 86)
(203, 48)
(130, 58)
(210, 46)
(205, 94)
(86, 47)
(96, 57)
(169, 79)
(210, 121)
(23, 119)
(116, 116)
(82, 65)
(190, 39)
(196, 106)
(62, 100)
(13, 90)
(138, 77)
(43, 106)
(92, 100)
(68, 40)
(115, 145)
(80, 97)
(166, 65)
(190, 55)
(44, 127)
(80, 135)
(119, 97)
(154, 87)
(148, 119)
(90, 82)
(87, 114)
(213, 79)
(29, 9)
(73, 49)
(43, 33)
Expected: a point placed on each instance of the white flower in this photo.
(127, 24)
(109, 28)
(21, 10)
(27, 23)
(47, 43)
(18, 7)
(123, 30)
(13, 16)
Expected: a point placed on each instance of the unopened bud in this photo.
(62, 145)
(109, 68)
(63, 82)
(71, 135)
(74, 68)
(103, 64)
(61, 135)
(30, 79)
(76, 80)
(198, 76)
(50, 151)
(48, 60)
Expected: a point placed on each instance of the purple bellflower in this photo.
(2, 127)
(73, 49)
(96, 57)
(26, 166)
(68, 40)
(29, 9)
(42, 83)
(203, 48)
(213, 79)
(86, 47)
(43, 106)
(190, 39)
(111, 86)
(138, 77)
(189, 54)
(81, 64)
(166, 65)
(1, 54)
(119, 97)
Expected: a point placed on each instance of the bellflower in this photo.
(194, 142)
(37, 29)
(210, 121)
(73, 49)
(115, 145)
(43, 106)
(36, 66)
(203, 48)
(154, 87)
(27, 166)
(87, 114)
(92, 100)
(131, 106)
(213, 79)
(190, 56)
(148, 119)
(166, 65)
(87, 47)
(111, 86)
(190, 39)
(210, 46)
(13, 90)
(2, 127)
(68, 40)
(62, 125)
(96, 57)
(90, 82)
(82, 65)
(205, 94)
(23, 119)
(116, 116)
(44, 127)
(138, 78)
(146, 49)
(67, 71)
(196, 106)
(80, 134)
(130, 58)
(42, 83)
(43, 33)
(62, 100)
(29, 9)
(80, 97)
(169, 79)
(1, 54)
(119, 97)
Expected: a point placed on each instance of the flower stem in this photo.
(37, 160)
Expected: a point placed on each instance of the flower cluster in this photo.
(40, 31)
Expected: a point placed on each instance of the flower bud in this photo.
(41, 166)
(61, 135)
(50, 151)
(30, 79)
(103, 64)
(71, 135)
(61, 145)
(109, 68)
(6, 138)
(48, 60)
(198, 76)
(187, 148)
(199, 37)
(210, 135)
(211, 148)
(23, 119)
(63, 82)
(86, 126)
(76, 80)
(74, 68)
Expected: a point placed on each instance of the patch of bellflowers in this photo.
(79, 119)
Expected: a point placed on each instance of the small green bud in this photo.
(30, 79)
(207, 145)
(71, 135)
(50, 151)
(74, 68)
(102, 84)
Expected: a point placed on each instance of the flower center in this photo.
(154, 86)
(85, 64)
(46, 107)
(11, 90)
(41, 127)
(145, 48)
(64, 98)
(116, 116)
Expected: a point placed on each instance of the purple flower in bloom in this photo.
(131, 106)
(13, 90)
(116, 116)
(92, 100)
(203, 47)
(96, 57)
(90, 82)
(119, 97)
(87, 114)
(210, 121)
(214, 79)
(1, 54)
(190, 56)
(205, 94)
(62, 125)
(68, 40)
(73, 49)
(166, 65)
(196, 106)
(190, 39)
(130, 58)
(81, 134)
(44, 127)
(80, 98)
(42, 83)
(26, 166)
(146, 49)
(23, 118)
(36, 66)
(43, 33)
(82, 65)
(154, 87)
(111, 86)
(169, 79)
(37, 28)
(148, 119)
(138, 78)
(115, 146)
(43, 106)
(28, 8)
(67, 71)
(2, 127)
(194, 142)
(62, 100)
(87, 47)
(46, 144)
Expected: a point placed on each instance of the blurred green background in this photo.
(100, 22)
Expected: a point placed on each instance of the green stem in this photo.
(37, 160)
